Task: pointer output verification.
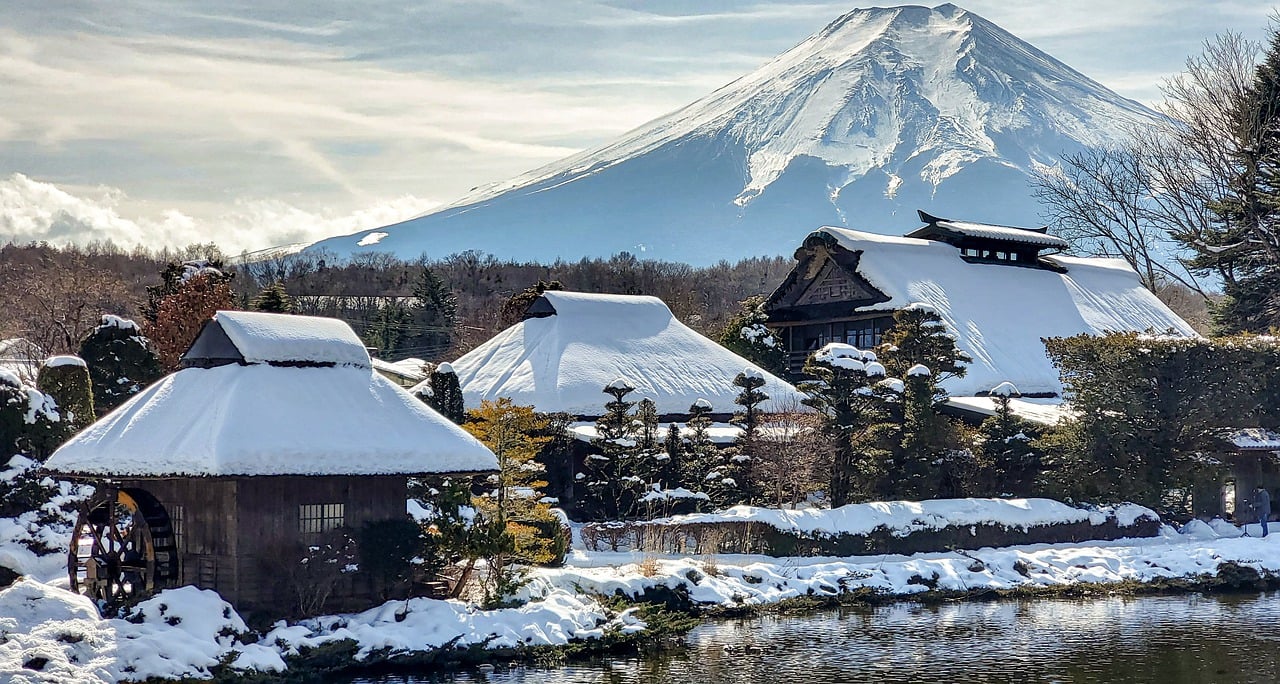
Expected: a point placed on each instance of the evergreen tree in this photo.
(926, 439)
(445, 394)
(741, 457)
(612, 487)
(121, 362)
(702, 460)
(843, 390)
(1006, 444)
(514, 308)
(66, 379)
(30, 424)
(514, 500)
(746, 335)
(646, 425)
(672, 467)
(919, 337)
(433, 315)
(273, 299)
(388, 332)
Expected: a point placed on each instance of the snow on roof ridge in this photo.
(260, 419)
(285, 338)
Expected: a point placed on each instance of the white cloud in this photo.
(32, 211)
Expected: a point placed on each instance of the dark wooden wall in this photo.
(237, 535)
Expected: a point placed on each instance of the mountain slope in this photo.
(884, 111)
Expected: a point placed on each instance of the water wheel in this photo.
(122, 548)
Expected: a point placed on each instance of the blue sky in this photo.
(257, 123)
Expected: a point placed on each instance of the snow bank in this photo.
(186, 632)
(269, 420)
(267, 337)
(423, 624)
(999, 330)
(35, 543)
(902, 518)
(53, 635)
(734, 580)
(562, 362)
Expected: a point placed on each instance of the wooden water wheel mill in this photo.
(122, 548)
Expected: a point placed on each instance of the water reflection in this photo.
(1167, 639)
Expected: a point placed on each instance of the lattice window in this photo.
(316, 519)
(177, 517)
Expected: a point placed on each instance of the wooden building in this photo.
(274, 437)
(998, 289)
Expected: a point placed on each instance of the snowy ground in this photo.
(185, 632)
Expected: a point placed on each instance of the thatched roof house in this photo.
(572, 344)
(996, 288)
(276, 432)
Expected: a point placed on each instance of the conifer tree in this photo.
(670, 472)
(919, 336)
(446, 393)
(612, 487)
(926, 438)
(646, 425)
(30, 424)
(66, 379)
(121, 362)
(433, 315)
(746, 335)
(842, 392)
(389, 331)
(273, 299)
(1007, 446)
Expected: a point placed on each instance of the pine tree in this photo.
(66, 379)
(646, 425)
(926, 438)
(843, 391)
(612, 487)
(672, 467)
(1006, 444)
(741, 456)
(121, 362)
(746, 335)
(273, 299)
(919, 337)
(514, 499)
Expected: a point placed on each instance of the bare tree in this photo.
(55, 304)
(793, 456)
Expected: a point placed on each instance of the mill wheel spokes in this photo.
(113, 553)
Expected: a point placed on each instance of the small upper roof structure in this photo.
(272, 394)
(573, 344)
(968, 233)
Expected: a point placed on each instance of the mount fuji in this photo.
(884, 111)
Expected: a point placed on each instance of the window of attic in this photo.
(1013, 256)
(316, 519)
(970, 252)
(1002, 255)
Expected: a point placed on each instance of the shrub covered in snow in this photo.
(120, 360)
(66, 379)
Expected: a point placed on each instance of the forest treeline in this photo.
(52, 296)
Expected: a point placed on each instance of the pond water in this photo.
(1166, 639)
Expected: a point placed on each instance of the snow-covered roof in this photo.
(1031, 236)
(409, 369)
(1043, 411)
(562, 362)
(999, 313)
(272, 420)
(1250, 439)
(287, 339)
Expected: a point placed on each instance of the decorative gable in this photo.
(833, 285)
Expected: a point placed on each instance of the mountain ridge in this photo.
(883, 111)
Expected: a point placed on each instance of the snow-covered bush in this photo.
(120, 360)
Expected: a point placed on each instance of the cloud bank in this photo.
(33, 211)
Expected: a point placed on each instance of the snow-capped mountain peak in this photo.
(883, 111)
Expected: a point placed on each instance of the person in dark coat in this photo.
(1262, 506)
